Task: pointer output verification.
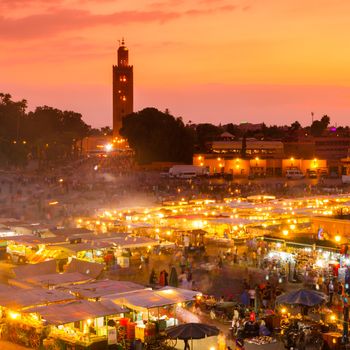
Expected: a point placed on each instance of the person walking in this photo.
(252, 295)
(187, 345)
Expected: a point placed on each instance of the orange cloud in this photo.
(204, 59)
(46, 24)
(61, 20)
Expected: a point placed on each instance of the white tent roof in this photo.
(18, 298)
(148, 299)
(96, 289)
(131, 242)
(229, 221)
(78, 310)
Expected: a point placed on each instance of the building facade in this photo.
(123, 88)
(262, 158)
(332, 148)
(254, 148)
(258, 167)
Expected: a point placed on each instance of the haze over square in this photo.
(205, 60)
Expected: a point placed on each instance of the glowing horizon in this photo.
(216, 61)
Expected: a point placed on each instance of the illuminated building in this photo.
(254, 148)
(332, 148)
(123, 94)
(258, 166)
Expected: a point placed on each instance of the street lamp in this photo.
(109, 147)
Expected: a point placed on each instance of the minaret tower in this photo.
(123, 88)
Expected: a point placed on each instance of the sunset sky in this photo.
(206, 60)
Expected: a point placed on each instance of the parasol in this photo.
(191, 331)
(304, 297)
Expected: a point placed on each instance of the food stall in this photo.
(20, 249)
(227, 230)
(90, 251)
(16, 324)
(192, 240)
(79, 324)
(297, 327)
(153, 310)
(105, 248)
(127, 248)
(302, 258)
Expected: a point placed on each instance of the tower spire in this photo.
(122, 87)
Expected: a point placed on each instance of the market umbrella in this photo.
(192, 331)
(304, 297)
(173, 279)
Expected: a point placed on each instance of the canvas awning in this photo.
(56, 279)
(148, 299)
(131, 242)
(17, 298)
(45, 273)
(80, 247)
(90, 269)
(71, 232)
(28, 271)
(78, 310)
(97, 289)
(31, 240)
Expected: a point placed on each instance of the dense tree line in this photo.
(47, 133)
(158, 136)
(50, 135)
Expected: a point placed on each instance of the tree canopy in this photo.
(47, 133)
(50, 134)
(318, 127)
(157, 136)
(204, 133)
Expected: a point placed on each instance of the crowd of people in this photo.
(80, 188)
(116, 180)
